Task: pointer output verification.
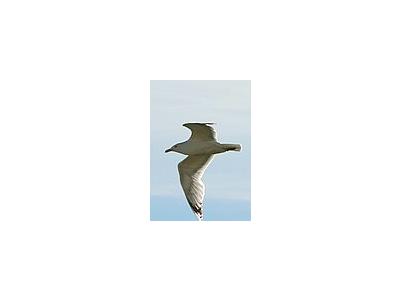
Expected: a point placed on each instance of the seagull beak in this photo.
(168, 150)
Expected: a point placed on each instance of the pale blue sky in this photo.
(227, 179)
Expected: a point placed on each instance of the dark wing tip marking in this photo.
(186, 124)
(198, 211)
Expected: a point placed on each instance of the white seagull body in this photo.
(200, 148)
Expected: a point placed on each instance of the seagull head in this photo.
(175, 148)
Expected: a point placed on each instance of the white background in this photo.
(74, 154)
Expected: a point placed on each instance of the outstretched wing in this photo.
(191, 170)
(202, 131)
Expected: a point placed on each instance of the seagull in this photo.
(200, 149)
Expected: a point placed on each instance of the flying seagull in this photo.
(200, 148)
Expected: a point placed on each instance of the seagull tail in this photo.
(232, 147)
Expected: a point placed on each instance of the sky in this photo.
(228, 178)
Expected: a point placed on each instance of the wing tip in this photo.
(198, 211)
(193, 123)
